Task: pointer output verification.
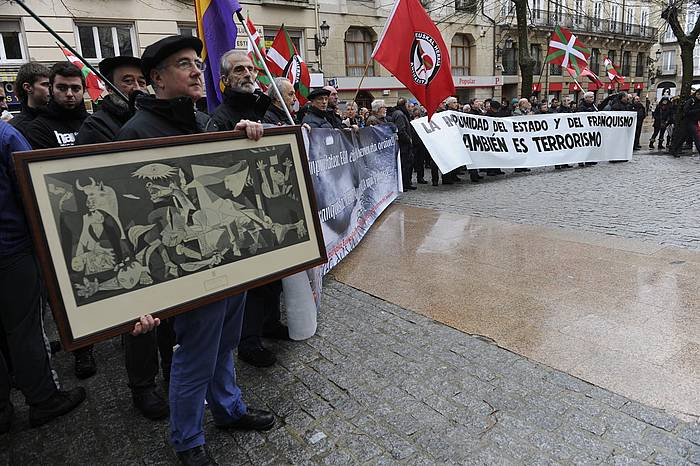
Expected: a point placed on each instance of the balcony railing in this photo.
(585, 23)
(668, 70)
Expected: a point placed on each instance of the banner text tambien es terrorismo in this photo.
(455, 139)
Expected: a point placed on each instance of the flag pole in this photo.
(359, 86)
(254, 46)
(580, 87)
(71, 49)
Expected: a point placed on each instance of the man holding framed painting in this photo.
(201, 368)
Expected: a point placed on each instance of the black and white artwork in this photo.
(131, 226)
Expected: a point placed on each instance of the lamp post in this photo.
(320, 41)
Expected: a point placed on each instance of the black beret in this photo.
(159, 51)
(108, 65)
(318, 92)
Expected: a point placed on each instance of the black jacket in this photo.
(55, 126)
(239, 106)
(663, 115)
(22, 120)
(564, 109)
(641, 112)
(334, 118)
(104, 124)
(619, 106)
(317, 118)
(275, 116)
(691, 109)
(403, 126)
(160, 117)
(584, 106)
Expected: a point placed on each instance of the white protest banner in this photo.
(455, 139)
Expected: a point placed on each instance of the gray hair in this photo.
(225, 63)
(377, 104)
(451, 100)
(279, 81)
(352, 105)
(588, 94)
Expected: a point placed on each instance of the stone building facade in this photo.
(624, 30)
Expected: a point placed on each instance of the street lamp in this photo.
(323, 40)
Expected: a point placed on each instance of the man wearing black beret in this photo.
(202, 366)
(103, 125)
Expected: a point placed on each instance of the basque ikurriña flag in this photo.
(613, 74)
(412, 49)
(93, 85)
(566, 50)
(217, 30)
(263, 80)
(283, 59)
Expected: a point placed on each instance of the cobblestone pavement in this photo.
(377, 385)
(653, 197)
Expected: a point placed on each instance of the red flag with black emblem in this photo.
(412, 49)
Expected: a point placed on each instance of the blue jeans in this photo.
(203, 368)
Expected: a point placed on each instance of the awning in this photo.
(610, 86)
(537, 87)
(625, 86)
(573, 87)
(638, 86)
(553, 87)
(593, 87)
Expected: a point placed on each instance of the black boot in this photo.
(253, 419)
(150, 404)
(257, 356)
(651, 143)
(84, 363)
(6, 418)
(197, 456)
(60, 403)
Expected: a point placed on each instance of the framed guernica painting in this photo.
(166, 225)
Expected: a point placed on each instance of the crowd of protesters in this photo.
(53, 114)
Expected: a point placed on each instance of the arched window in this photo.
(359, 43)
(460, 55)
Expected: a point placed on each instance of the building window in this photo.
(558, 10)
(696, 61)
(11, 42)
(626, 58)
(595, 61)
(187, 30)
(611, 56)
(614, 18)
(690, 19)
(578, 12)
(535, 11)
(507, 7)
(668, 61)
(469, 6)
(460, 55)
(358, 52)
(669, 36)
(97, 42)
(641, 61)
(294, 35)
(644, 22)
(597, 14)
(510, 60)
(630, 21)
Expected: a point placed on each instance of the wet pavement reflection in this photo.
(619, 313)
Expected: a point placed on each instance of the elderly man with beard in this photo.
(242, 100)
(332, 110)
(202, 366)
